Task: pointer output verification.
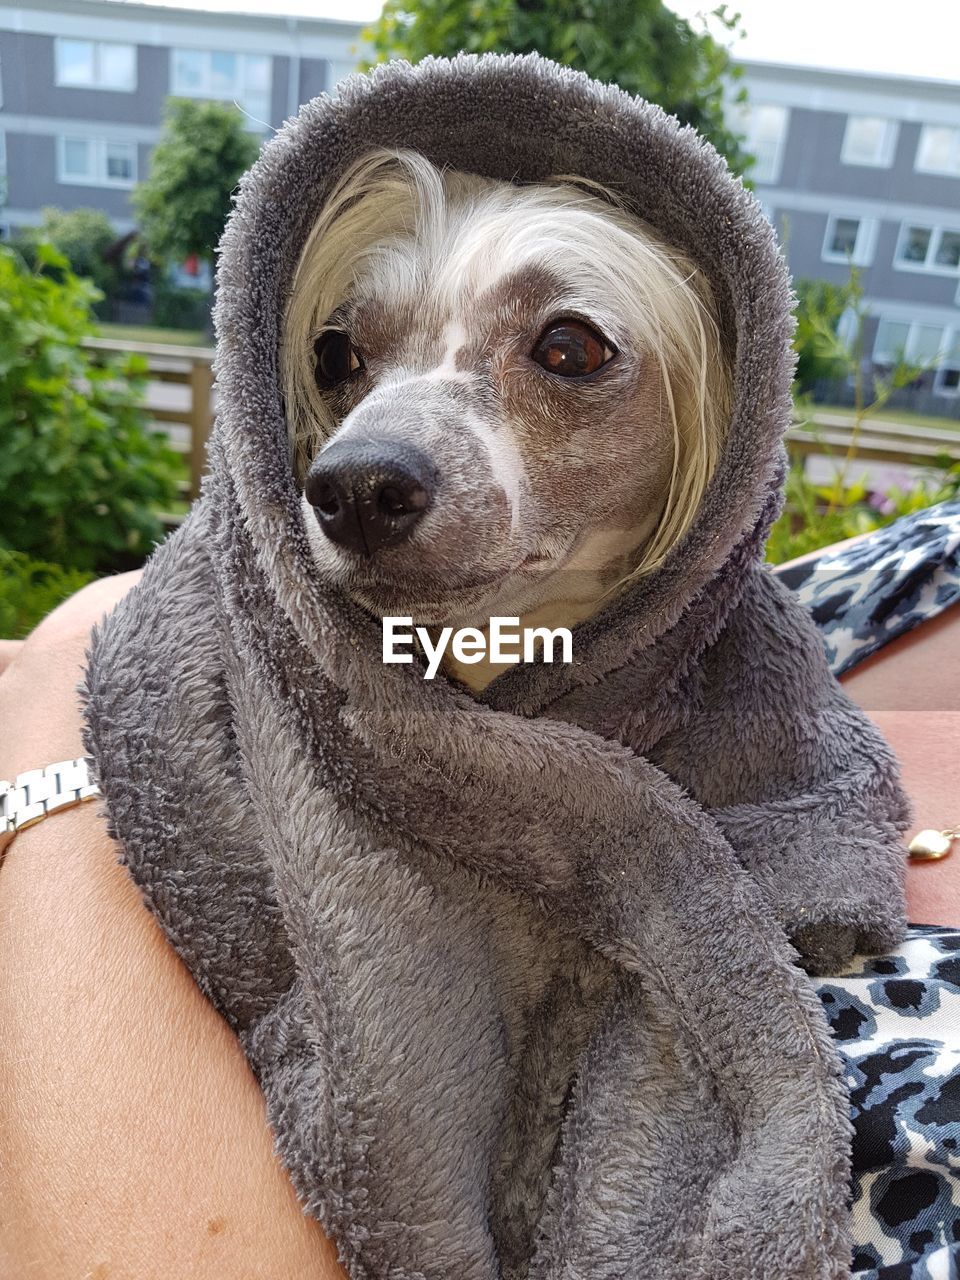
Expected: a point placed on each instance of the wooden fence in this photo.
(832, 436)
(827, 435)
(191, 420)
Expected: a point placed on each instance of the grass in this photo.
(149, 333)
(890, 415)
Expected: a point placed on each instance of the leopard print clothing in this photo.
(896, 1017)
(865, 595)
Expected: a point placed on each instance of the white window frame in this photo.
(949, 341)
(953, 168)
(99, 176)
(238, 93)
(865, 245)
(885, 357)
(951, 345)
(883, 158)
(848, 327)
(97, 83)
(929, 266)
(771, 178)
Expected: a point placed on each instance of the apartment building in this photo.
(850, 166)
(866, 168)
(83, 83)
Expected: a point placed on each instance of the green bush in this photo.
(83, 236)
(816, 516)
(81, 478)
(178, 308)
(29, 589)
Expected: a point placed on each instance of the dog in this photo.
(503, 399)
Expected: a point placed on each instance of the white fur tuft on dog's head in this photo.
(552, 490)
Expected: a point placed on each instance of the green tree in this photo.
(641, 45)
(84, 237)
(81, 477)
(183, 204)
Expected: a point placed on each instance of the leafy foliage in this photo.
(175, 307)
(816, 516)
(183, 204)
(641, 45)
(81, 479)
(821, 354)
(30, 589)
(83, 236)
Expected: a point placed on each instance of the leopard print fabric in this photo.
(896, 1018)
(867, 594)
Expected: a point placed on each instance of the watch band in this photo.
(39, 792)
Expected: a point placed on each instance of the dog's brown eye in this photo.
(336, 358)
(572, 349)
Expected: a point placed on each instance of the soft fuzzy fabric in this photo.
(513, 970)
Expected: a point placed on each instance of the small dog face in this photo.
(491, 430)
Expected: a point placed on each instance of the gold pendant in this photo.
(930, 845)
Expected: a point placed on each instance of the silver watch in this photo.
(39, 792)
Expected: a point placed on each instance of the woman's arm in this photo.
(133, 1137)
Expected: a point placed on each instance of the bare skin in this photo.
(133, 1138)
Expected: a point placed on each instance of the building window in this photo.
(928, 346)
(96, 64)
(939, 150)
(850, 239)
(890, 344)
(947, 381)
(95, 162)
(947, 253)
(925, 344)
(243, 78)
(841, 239)
(869, 140)
(848, 327)
(766, 131)
(935, 249)
(948, 378)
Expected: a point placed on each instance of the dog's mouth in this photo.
(470, 599)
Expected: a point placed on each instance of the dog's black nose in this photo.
(368, 494)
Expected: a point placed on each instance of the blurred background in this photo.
(125, 126)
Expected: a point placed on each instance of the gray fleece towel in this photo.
(520, 974)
